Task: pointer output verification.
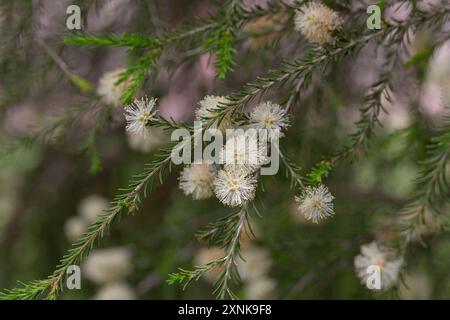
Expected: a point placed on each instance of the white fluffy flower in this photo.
(256, 264)
(243, 152)
(234, 187)
(209, 108)
(260, 289)
(138, 114)
(115, 291)
(316, 22)
(91, 207)
(109, 90)
(269, 116)
(74, 228)
(374, 255)
(316, 203)
(107, 265)
(197, 180)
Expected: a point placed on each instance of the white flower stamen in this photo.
(316, 203)
(138, 114)
(234, 187)
(269, 116)
(243, 152)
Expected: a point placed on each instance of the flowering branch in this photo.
(226, 233)
(382, 89)
(235, 185)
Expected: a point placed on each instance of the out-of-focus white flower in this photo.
(109, 90)
(206, 255)
(146, 143)
(316, 203)
(209, 108)
(435, 93)
(260, 289)
(107, 265)
(74, 228)
(264, 31)
(398, 118)
(115, 291)
(373, 254)
(438, 69)
(316, 22)
(138, 114)
(197, 180)
(257, 263)
(417, 286)
(91, 207)
(269, 116)
(243, 152)
(234, 187)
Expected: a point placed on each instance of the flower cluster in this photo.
(233, 180)
(241, 157)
